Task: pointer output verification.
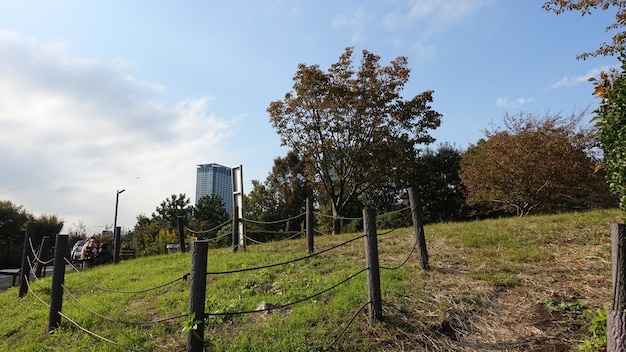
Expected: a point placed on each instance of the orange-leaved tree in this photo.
(586, 7)
(353, 129)
(538, 164)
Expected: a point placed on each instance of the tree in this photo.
(538, 164)
(260, 203)
(611, 120)
(210, 211)
(290, 188)
(12, 220)
(353, 129)
(151, 235)
(439, 186)
(46, 225)
(171, 208)
(12, 228)
(281, 196)
(618, 43)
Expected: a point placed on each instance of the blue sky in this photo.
(99, 96)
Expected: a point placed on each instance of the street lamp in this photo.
(116, 234)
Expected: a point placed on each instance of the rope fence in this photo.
(273, 222)
(92, 283)
(198, 274)
(282, 306)
(282, 263)
(209, 230)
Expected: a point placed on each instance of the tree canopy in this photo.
(611, 120)
(586, 7)
(282, 196)
(537, 165)
(353, 128)
(13, 219)
(438, 183)
(210, 211)
(173, 207)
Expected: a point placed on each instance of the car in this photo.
(77, 250)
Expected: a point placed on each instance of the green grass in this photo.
(506, 280)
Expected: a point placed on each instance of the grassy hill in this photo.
(516, 284)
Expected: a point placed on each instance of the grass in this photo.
(509, 284)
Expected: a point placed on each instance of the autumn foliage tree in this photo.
(538, 164)
(586, 7)
(611, 120)
(352, 127)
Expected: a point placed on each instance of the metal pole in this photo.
(181, 234)
(236, 229)
(117, 235)
(116, 251)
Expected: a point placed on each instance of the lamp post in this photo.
(116, 234)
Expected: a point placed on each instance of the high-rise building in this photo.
(215, 179)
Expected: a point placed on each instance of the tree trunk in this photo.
(616, 318)
(336, 221)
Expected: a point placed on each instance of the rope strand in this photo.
(183, 277)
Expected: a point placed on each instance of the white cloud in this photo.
(358, 22)
(439, 14)
(523, 101)
(504, 102)
(426, 20)
(75, 130)
(569, 81)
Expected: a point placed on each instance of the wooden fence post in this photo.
(27, 256)
(197, 294)
(43, 255)
(58, 278)
(309, 226)
(418, 228)
(373, 266)
(616, 317)
(181, 235)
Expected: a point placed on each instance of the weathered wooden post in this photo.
(418, 228)
(27, 256)
(616, 317)
(181, 234)
(43, 255)
(235, 229)
(373, 266)
(58, 278)
(309, 226)
(197, 294)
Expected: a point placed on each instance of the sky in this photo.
(104, 95)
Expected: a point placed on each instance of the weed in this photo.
(190, 325)
(597, 329)
(565, 307)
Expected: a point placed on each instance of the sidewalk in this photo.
(6, 281)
